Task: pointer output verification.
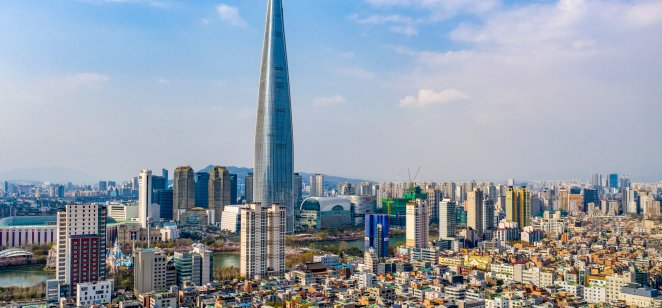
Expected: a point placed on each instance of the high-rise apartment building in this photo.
(144, 197)
(518, 206)
(149, 270)
(262, 240)
(317, 185)
(488, 214)
(563, 199)
(274, 145)
(417, 230)
(81, 244)
(474, 208)
(220, 186)
(434, 198)
(376, 234)
(202, 190)
(183, 192)
(447, 219)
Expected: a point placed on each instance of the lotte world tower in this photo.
(274, 149)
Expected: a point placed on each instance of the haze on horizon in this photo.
(465, 89)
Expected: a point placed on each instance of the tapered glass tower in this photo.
(274, 149)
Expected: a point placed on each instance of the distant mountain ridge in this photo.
(242, 172)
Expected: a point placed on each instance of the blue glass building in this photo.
(273, 172)
(376, 233)
(613, 180)
(202, 189)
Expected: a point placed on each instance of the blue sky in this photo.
(465, 89)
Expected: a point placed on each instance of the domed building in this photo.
(322, 213)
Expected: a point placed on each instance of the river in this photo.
(24, 276)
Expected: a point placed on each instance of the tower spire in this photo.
(274, 151)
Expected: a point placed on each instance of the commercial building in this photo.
(183, 192)
(362, 205)
(149, 270)
(474, 208)
(21, 231)
(317, 185)
(94, 293)
(262, 240)
(220, 191)
(231, 218)
(201, 189)
(164, 198)
(377, 234)
(194, 267)
(322, 213)
(274, 146)
(123, 212)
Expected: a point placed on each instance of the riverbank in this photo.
(23, 276)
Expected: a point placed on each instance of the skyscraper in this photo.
(447, 219)
(613, 180)
(262, 239)
(202, 189)
(219, 191)
(417, 231)
(81, 244)
(474, 208)
(488, 214)
(274, 147)
(164, 174)
(317, 185)
(298, 189)
(144, 196)
(183, 192)
(376, 234)
(233, 188)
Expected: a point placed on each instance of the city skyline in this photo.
(561, 98)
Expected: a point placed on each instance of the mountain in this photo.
(242, 172)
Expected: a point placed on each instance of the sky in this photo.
(463, 89)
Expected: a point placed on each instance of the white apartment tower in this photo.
(144, 197)
(417, 232)
(81, 244)
(447, 219)
(262, 240)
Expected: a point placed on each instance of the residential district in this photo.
(549, 244)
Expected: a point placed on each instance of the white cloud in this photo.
(152, 3)
(355, 72)
(406, 30)
(230, 15)
(427, 97)
(329, 101)
(83, 80)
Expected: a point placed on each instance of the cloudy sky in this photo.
(464, 89)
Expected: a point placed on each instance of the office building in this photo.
(164, 198)
(231, 218)
(298, 189)
(447, 219)
(233, 188)
(149, 270)
(183, 192)
(376, 234)
(317, 185)
(248, 188)
(103, 186)
(322, 213)
(81, 244)
(417, 231)
(474, 208)
(144, 197)
(201, 189)
(123, 212)
(274, 145)
(362, 205)
(195, 266)
(262, 236)
(613, 181)
(434, 198)
(220, 194)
